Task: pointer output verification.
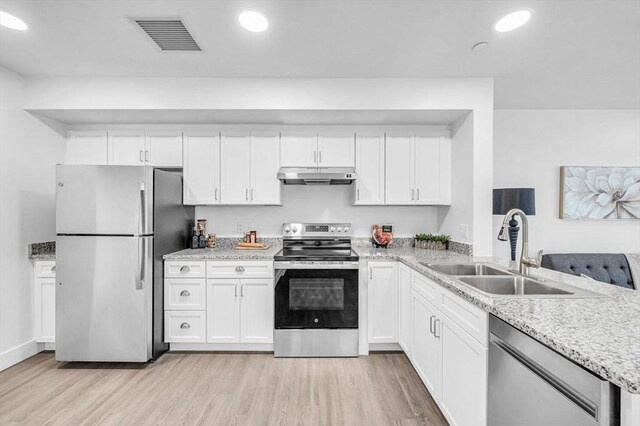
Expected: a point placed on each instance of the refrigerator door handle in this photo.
(142, 253)
(143, 210)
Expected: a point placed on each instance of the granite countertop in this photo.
(42, 251)
(601, 334)
(223, 253)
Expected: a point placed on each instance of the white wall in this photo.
(330, 203)
(461, 211)
(529, 148)
(29, 151)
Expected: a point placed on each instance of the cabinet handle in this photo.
(216, 194)
(53, 268)
(251, 194)
(185, 293)
(185, 325)
(235, 290)
(319, 156)
(358, 194)
(146, 156)
(435, 328)
(411, 194)
(246, 194)
(418, 192)
(141, 157)
(239, 268)
(185, 269)
(370, 273)
(431, 324)
(241, 290)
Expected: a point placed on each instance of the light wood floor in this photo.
(211, 388)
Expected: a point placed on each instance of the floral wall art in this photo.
(599, 192)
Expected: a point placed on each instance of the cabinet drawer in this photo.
(185, 294)
(239, 269)
(468, 317)
(184, 326)
(45, 269)
(184, 269)
(430, 290)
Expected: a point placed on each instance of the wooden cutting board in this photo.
(252, 248)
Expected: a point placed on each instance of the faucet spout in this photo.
(525, 261)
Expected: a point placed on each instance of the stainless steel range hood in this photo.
(317, 175)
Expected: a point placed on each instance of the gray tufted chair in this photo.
(608, 268)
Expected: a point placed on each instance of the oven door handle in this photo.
(295, 265)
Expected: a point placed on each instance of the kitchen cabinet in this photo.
(156, 149)
(426, 351)
(418, 169)
(370, 167)
(184, 326)
(249, 167)
(201, 173)
(86, 147)
(184, 302)
(311, 149)
(404, 300)
(240, 310)
(383, 302)
(44, 301)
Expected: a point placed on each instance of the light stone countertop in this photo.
(223, 253)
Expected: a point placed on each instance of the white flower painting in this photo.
(600, 192)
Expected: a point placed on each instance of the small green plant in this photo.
(433, 238)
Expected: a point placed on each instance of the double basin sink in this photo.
(495, 281)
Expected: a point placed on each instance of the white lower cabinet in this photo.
(240, 311)
(184, 326)
(383, 302)
(427, 353)
(44, 301)
(404, 299)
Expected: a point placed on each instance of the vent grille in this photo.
(169, 34)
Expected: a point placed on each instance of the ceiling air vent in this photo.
(168, 34)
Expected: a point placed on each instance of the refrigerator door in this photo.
(104, 200)
(104, 289)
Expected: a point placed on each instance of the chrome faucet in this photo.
(525, 261)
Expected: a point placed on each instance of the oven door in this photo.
(316, 298)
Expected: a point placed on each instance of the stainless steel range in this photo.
(316, 294)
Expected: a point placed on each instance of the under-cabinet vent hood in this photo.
(317, 175)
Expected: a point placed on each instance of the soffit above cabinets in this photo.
(72, 117)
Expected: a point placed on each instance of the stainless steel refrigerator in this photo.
(113, 225)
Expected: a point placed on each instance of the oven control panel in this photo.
(316, 230)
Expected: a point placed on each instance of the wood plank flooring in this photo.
(214, 388)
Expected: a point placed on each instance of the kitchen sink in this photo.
(511, 285)
(458, 269)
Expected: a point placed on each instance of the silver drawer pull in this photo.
(185, 293)
(185, 269)
(185, 325)
(53, 268)
(239, 269)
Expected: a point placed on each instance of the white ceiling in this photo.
(572, 54)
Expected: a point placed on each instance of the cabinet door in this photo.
(464, 377)
(256, 311)
(201, 175)
(265, 162)
(383, 302)
(86, 148)
(223, 311)
(164, 149)
(235, 168)
(404, 289)
(126, 148)
(432, 170)
(336, 150)
(399, 169)
(370, 169)
(45, 309)
(426, 347)
(298, 149)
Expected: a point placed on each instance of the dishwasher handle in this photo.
(558, 384)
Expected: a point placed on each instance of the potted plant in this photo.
(431, 241)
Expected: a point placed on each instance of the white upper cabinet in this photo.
(235, 168)
(164, 149)
(418, 169)
(265, 162)
(201, 175)
(127, 148)
(86, 148)
(370, 169)
(336, 150)
(249, 168)
(299, 149)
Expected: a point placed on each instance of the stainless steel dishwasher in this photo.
(530, 384)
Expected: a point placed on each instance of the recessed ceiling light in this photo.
(10, 21)
(253, 21)
(513, 20)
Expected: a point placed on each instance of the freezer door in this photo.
(104, 200)
(104, 289)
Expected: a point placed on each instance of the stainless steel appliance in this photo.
(530, 384)
(316, 293)
(113, 225)
(317, 175)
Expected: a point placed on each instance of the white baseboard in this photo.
(18, 354)
(373, 347)
(232, 347)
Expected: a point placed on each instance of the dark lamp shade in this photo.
(505, 199)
